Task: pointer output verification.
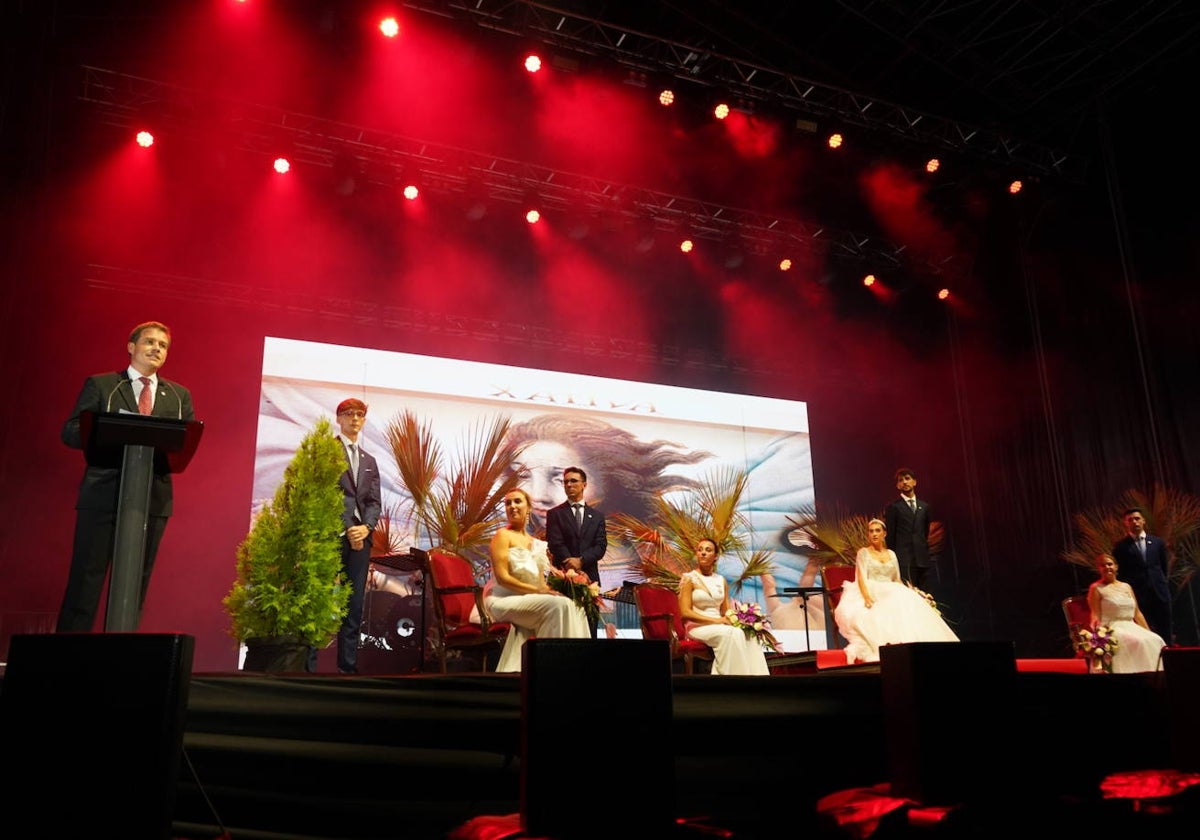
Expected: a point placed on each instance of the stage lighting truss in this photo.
(751, 82)
(314, 141)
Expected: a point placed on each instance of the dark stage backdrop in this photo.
(1062, 375)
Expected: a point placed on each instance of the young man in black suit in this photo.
(1142, 559)
(907, 522)
(575, 532)
(362, 507)
(136, 389)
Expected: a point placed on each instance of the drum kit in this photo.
(393, 626)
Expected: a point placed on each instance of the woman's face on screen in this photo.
(546, 461)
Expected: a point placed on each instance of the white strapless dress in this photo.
(531, 615)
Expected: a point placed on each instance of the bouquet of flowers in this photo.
(1097, 644)
(749, 617)
(576, 586)
(928, 598)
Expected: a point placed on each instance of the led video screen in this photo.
(634, 439)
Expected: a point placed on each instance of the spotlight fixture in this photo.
(282, 165)
(411, 192)
(686, 246)
(785, 264)
(666, 97)
(390, 27)
(144, 139)
(943, 294)
(835, 140)
(932, 165)
(1015, 187)
(869, 280)
(533, 63)
(721, 111)
(533, 217)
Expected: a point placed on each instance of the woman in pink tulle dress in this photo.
(877, 609)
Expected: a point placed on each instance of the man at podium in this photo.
(137, 389)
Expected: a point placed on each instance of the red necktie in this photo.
(144, 404)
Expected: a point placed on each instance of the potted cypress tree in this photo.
(289, 595)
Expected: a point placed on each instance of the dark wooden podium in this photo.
(135, 444)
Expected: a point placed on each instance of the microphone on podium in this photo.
(108, 403)
(178, 402)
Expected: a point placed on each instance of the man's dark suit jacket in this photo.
(1148, 578)
(566, 539)
(112, 392)
(363, 494)
(908, 536)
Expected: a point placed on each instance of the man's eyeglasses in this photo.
(357, 415)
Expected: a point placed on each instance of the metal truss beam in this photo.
(756, 83)
(421, 322)
(387, 158)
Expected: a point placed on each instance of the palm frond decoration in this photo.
(1170, 514)
(457, 503)
(834, 539)
(418, 457)
(388, 538)
(665, 540)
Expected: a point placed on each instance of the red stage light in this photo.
(533, 63)
(282, 165)
(1015, 187)
(835, 141)
(721, 111)
(666, 97)
(869, 280)
(411, 192)
(785, 265)
(933, 165)
(686, 246)
(390, 27)
(943, 294)
(533, 217)
(145, 139)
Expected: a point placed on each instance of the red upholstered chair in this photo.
(1078, 614)
(462, 622)
(832, 578)
(658, 613)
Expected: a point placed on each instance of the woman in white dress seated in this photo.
(877, 609)
(703, 602)
(1113, 604)
(518, 593)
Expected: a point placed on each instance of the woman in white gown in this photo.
(703, 602)
(877, 609)
(518, 593)
(1113, 604)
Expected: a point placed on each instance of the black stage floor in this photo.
(419, 756)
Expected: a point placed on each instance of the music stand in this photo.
(134, 443)
(804, 593)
